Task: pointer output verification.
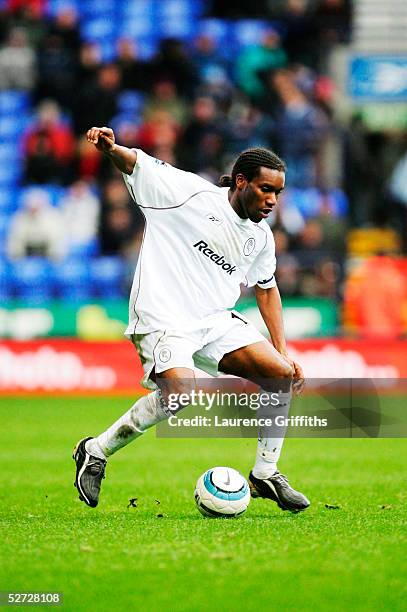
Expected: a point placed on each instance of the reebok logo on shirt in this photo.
(218, 259)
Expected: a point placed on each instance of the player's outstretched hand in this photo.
(102, 137)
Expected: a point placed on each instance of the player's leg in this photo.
(146, 412)
(261, 363)
(160, 355)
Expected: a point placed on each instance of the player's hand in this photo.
(102, 137)
(298, 379)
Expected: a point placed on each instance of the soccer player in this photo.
(200, 243)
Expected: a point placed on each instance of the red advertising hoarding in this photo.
(74, 366)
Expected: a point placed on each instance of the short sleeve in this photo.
(156, 184)
(262, 271)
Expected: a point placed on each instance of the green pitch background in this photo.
(118, 558)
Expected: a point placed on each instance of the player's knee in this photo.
(176, 393)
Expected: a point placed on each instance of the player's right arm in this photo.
(151, 182)
(104, 140)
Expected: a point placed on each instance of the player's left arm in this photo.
(269, 303)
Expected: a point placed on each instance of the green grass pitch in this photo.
(119, 558)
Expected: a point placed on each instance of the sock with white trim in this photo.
(271, 440)
(146, 412)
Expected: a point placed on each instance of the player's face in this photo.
(258, 197)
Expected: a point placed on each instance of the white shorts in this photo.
(201, 348)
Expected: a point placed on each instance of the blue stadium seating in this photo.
(12, 102)
(249, 31)
(137, 9)
(55, 193)
(72, 279)
(6, 281)
(86, 250)
(8, 200)
(33, 279)
(4, 226)
(107, 275)
(55, 6)
(98, 29)
(131, 101)
(11, 127)
(177, 27)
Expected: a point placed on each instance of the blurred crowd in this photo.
(197, 105)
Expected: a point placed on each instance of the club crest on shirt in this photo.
(164, 355)
(214, 219)
(249, 246)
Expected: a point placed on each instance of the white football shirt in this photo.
(196, 250)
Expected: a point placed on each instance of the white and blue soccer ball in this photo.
(222, 492)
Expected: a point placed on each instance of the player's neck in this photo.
(237, 205)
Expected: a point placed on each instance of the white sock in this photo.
(146, 412)
(271, 440)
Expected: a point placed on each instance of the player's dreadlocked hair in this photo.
(249, 163)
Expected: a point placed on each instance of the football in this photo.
(222, 492)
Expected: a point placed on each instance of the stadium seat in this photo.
(6, 285)
(250, 31)
(4, 226)
(98, 29)
(176, 9)
(54, 192)
(9, 153)
(86, 250)
(55, 6)
(11, 127)
(218, 29)
(10, 174)
(177, 27)
(8, 200)
(33, 279)
(92, 9)
(107, 274)
(131, 101)
(12, 102)
(136, 27)
(72, 279)
(307, 201)
(141, 8)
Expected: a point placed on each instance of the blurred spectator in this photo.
(398, 197)
(57, 71)
(49, 147)
(377, 309)
(17, 62)
(299, 33)
(30, 16)
(96, 102)
(287, 273)
(208, 59)
(249, 127)
(37, 229)
(17, 5)
(133, 70)
(255, 61)
(172, 63)
(300, 129)
(164, 97)
(66, 26)
(203, 143)
(80, 210)
(120, 221)
(90, 60)
(161, 131)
